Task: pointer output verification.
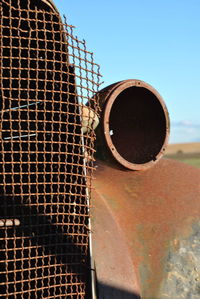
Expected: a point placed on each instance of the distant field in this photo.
(183, 147)
(186, 152)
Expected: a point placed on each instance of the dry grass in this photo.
(186, 152)
(183, 148)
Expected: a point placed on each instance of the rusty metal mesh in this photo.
(46, 158)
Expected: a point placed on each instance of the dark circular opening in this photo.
(137, 125)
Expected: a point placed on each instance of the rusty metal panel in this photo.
(46, 158)
(157, 211)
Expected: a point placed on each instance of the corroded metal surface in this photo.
(135, 124)
(158, 212)
(46, 162)
(182, 266)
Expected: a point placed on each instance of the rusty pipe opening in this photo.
(135, 123)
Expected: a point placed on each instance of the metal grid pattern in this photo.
(47, 84)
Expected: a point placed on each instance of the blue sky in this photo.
(157, 41)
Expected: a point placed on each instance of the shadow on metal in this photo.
(44, 248)
(108, 292)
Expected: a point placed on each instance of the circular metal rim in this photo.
(51, 4)
(119, 88)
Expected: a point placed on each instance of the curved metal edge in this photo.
(112, 94)
(116, 272)
(51, 4)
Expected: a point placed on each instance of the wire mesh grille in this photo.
(47, 115)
